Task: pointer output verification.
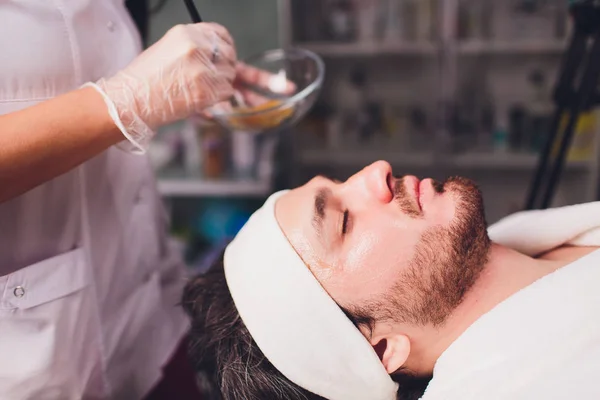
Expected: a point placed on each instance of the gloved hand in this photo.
(189, 69)
(247, 77)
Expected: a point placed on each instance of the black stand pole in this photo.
(587, 27)
(562, 92)
(585, 93)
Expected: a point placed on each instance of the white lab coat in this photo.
(88, 282)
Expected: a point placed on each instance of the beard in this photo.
(447, 261)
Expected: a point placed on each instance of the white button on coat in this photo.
(88, 280)
(19, 291)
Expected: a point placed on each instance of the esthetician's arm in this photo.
(173, 79)
(47, 140)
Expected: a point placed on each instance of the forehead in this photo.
(294, 212)
(294, 207)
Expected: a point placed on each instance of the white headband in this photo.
(295, 323)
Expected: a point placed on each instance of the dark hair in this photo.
(224, 354)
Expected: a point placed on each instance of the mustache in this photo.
(407, 203)
(439, 187)
(399, 189)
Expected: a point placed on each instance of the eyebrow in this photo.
(321, 198)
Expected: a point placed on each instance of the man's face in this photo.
(400, 247)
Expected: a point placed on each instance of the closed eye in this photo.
(345, 223)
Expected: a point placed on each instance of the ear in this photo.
(393, 350)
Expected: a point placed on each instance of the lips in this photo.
(417, 188)
(407, 191)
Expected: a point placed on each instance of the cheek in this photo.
(360, 252)
(308, 252)
(374, 260)
(444, 209)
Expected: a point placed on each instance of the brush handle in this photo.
(193, 11)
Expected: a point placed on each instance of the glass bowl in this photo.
(269, 108)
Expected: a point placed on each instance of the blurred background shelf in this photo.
(468, 82)
(421, 74)
(467, 47)
(176, 181)
(196, 187)
(504, 161)
(359, 158)
(360, 49)
(479, 160)
(526, 47)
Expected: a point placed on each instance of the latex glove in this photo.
(249, 75)
(176, 77)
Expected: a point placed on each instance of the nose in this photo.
(371, 183)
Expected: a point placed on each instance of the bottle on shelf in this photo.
(310, 20)
(314, 130)
(486, 104)
(367, 110)
(561, 20)
(367, 12)
(349, 101)
(518, 132)
(420, 134)
(213, 148)
(396, 120)
(334, 131)
(425, 20)
(500, 140)
(392, 21)
(539, 111)
(487, 16)
(468, 19)
(475, 19)
(341, 22)
(409, 15)
(473, 96)
(486, 127)
(192, 156)
(532, 20)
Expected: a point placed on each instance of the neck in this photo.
(506, 272)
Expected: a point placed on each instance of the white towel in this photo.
(533, 232)
(544, 341)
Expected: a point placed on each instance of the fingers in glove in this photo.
(264, 79)
(215, 50)
(222, 32)
(219, 90)
(251, 98)
(226, 53)
(223, 107)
